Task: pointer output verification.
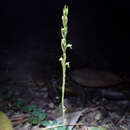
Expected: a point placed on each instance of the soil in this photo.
(34, 79)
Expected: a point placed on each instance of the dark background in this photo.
(98, 30)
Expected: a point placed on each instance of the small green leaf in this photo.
(35, 121)
(36, 113)
(52, 123)
(42, 116)
(44, 123)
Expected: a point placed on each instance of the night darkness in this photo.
(30, 48)
(98, 30)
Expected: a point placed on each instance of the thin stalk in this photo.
(64, 46)
(63, 89)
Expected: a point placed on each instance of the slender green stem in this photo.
(63, 89)
(64, 46)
